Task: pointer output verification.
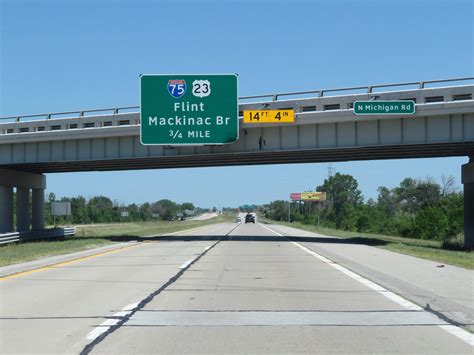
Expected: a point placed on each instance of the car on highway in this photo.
(238, 220)
(249, 218)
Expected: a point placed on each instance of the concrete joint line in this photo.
(111, 322)
(284, 318)
(452, 329)
(126, 314)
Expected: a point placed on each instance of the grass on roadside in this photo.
(426, 249)
(131, 230)
(93, 236)
(22, 252)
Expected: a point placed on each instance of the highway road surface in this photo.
(224, 288)
(204, 216)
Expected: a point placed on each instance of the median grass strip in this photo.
(93, 236)
(426, 249)
(131, 230)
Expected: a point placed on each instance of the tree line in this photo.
(416, 208)
(101, 209)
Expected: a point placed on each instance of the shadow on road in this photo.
(245, 238)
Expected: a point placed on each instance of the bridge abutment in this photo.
(23, 182)
(467, 179)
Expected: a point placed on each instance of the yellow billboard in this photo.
(313, 196)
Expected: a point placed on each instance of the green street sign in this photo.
(384, 107)
(189, 109)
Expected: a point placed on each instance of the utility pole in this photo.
(330, 170)
(330, 174)
(289, 213)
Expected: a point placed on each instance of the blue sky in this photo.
(68, 55)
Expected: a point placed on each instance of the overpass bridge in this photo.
(325, 130)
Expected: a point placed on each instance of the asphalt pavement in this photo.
(224, 288)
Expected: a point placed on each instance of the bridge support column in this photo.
(22, 209)
(23, 182)
(6, 209)
(37, 209)
(467, 179)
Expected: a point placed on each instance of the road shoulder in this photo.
(62, 258)
(447, 290)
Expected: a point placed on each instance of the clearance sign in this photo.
(269, 116)
(308, 196)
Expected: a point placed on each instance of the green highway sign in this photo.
(189, 109)
(406, 107)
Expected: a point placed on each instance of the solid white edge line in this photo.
(452, 329)
(459, 332)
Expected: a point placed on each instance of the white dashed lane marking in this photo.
(117, 317)
(111, 322)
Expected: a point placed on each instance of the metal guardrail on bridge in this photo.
(274, 97)
(15, 237)
(325, 129)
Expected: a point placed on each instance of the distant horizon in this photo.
(365, 193)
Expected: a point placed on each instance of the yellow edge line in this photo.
(52, 266)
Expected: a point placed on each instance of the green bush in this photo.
(415, 209)
(453, 208)
(431, 223)
(403, 224)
